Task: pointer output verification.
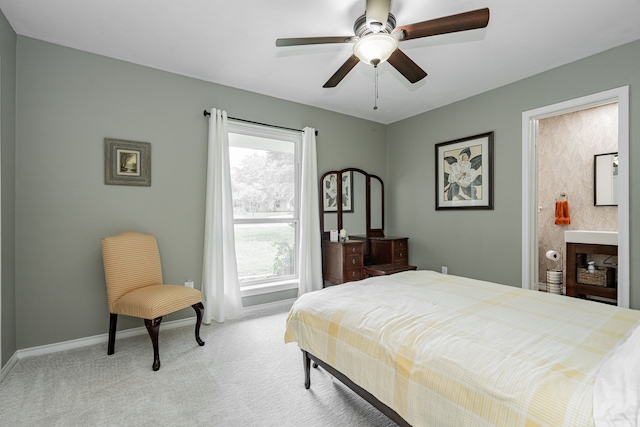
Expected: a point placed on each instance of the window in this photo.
(264, 171)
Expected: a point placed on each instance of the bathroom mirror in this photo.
(354, 200)
(605, 186)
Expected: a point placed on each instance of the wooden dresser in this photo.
(343, 261)
(389, 250)
(367, 252)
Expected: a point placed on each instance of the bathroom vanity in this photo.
(581, 247)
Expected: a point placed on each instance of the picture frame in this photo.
(464, 173)
(329, 192)
(127, 162)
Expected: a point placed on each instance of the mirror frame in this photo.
(370, 232)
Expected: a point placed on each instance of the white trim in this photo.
(127, 333)
(529, 201)
(237, 127)
(98, 339)
(529, 187)
(275, 304)
(1, 231)
(84, 342)
(267, 288)
(8, 367)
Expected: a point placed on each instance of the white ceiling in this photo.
(233, 43)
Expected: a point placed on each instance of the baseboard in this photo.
(8, 366)
(127, 333)
(97, 339)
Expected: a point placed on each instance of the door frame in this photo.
(530, 121)
(1, 360)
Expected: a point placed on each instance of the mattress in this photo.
(448, 350)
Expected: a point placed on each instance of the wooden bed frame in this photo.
(308, 357)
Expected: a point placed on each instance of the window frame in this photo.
(257, 287)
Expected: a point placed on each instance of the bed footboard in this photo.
(308, 358)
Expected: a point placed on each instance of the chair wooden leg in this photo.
(198, 308)
(113, 320)
(153, 327)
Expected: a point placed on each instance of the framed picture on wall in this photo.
(127, 162)
(464, 173)
(330, 192)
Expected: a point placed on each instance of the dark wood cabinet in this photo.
(389, 250)
(343, 261)
(577, 258)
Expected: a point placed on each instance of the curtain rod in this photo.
(206, 113)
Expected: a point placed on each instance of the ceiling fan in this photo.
(376, 38)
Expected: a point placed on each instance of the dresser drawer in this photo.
(353, 249)
(353, 261)
(354, 274)
(401, 256)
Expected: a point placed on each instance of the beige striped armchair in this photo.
(133, 275)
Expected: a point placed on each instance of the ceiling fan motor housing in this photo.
(361, 28)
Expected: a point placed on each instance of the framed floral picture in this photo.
(127, 162)
(330, 192)
(464, 173)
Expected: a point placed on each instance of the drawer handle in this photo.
(353, 274)
(401, 254)
(353, 261)
(353, 249)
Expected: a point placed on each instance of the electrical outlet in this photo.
(189, 283)
(444, 270)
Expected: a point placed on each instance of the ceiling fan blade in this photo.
(406, 66)
(448, 24)
(342, 72)
(299, 41)
(378, 11)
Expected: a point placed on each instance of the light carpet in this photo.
(244, 376)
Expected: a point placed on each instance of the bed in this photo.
(430, 349)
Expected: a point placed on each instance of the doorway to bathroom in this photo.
(559, 144)
(567, 148)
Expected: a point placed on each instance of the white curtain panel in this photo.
(220, 288)
(310, 256)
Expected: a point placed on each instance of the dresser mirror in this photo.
(352, 199)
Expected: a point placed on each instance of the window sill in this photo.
(266, 288)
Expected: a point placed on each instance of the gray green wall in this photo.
(68, 102)
(7, 153)
(487, 244)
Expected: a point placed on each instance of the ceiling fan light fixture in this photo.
(378, 46)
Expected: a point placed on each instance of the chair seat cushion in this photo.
(156, 300)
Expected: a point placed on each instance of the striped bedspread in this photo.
(443, 350)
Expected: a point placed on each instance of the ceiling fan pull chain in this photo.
(375, 103)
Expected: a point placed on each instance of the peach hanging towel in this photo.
(562, 212)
